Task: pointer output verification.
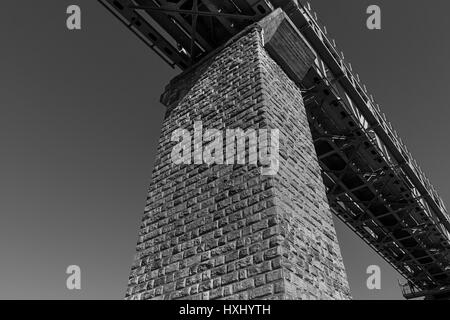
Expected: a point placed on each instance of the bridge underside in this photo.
(369, 192)
(373, 184)
(183, 32)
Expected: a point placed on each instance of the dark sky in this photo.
(80, 120)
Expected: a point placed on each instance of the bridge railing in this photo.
(409, 290)
(347, 71)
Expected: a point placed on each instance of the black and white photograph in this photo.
(236, 151)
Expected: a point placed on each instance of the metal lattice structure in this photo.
(182, 32)
(374, 184)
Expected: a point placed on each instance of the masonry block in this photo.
(226, 231)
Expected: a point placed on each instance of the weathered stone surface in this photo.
(226, 231)
(286, 45)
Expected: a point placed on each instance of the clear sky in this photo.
(80, 121)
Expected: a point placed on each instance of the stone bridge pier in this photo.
(226, 231)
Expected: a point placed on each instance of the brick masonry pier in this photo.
(227, 231)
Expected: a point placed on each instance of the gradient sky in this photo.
(80, 121)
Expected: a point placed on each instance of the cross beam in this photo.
(197, 12)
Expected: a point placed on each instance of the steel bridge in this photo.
(373, 183)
